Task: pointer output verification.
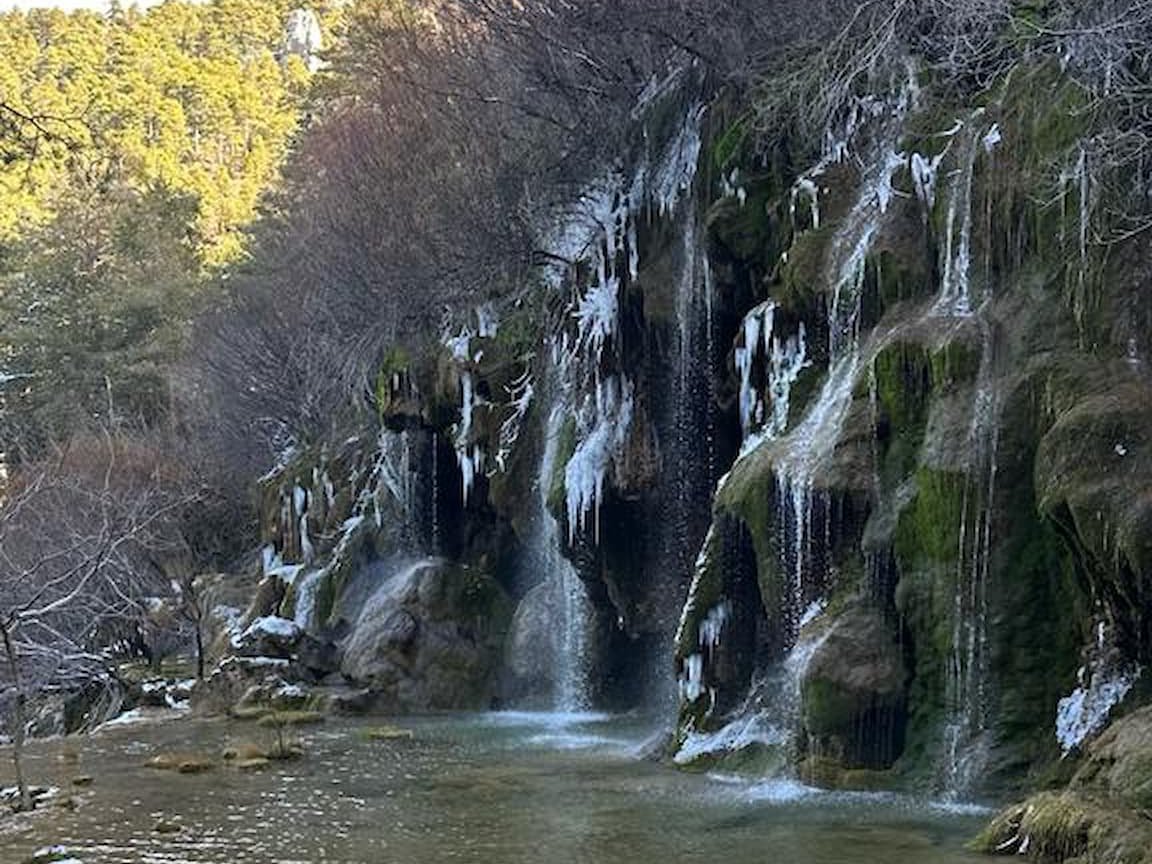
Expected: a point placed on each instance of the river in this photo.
(508, 788)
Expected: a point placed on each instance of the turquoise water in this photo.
(493, 788)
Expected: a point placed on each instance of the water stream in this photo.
(491, 788)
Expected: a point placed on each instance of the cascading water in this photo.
(595, 391)
(800, 454)
(567, 595)
(803, 516)
(966, 729)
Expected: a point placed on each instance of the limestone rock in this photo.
(428, 638)
(853, 690)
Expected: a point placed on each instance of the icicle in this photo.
(807, 187)
(607, 421)
(745, 356)
(692, 680)
(712, 625)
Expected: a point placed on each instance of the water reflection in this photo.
(511, 788)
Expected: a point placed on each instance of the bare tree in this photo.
(76, 540)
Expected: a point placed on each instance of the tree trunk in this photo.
(199, 651)
(18, 722)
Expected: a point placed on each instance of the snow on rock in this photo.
(270, 636)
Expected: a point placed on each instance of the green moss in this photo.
(565, 447)
(904, 377)
(828, 709)
(829, 773)
(928, 531)
(927, 544)
(1066, 827)
(802, 277)
(955, 362)
(729, 146)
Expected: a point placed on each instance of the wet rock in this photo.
(428, 638)
(529, 658)
(276, 695)
(853, 690)
(317, 657)
(347, 700)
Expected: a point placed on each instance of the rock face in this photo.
(429, 638)
(868, 421)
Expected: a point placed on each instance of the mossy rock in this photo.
(386, 733)
(828, 773)
(852, 689)
(1119, 763)
(751, 760)
(928, 531)
(182, 763)
(1057, 827)
(565, 447)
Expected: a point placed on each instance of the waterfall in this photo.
(966, 727)
(966, 730)
(688, 427)
(567, 596)
(955, 297)
(803, 452)
(769, 360)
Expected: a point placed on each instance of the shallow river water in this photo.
(492, 788)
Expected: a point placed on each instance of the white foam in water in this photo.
(740, 733)
(782, 791)
(960, 808)
(547, 719)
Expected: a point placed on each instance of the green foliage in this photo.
(184, 95)
(144, 141)
(93, 305)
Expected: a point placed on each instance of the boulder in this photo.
(269, 636)
(429, 637)
(530, 652)
(853, 690)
